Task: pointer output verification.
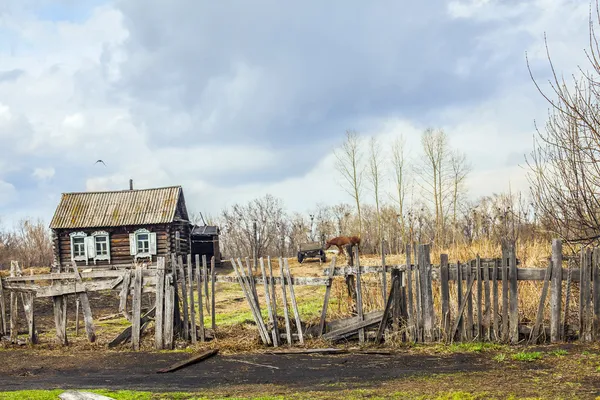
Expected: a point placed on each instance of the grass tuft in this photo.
(527, 356)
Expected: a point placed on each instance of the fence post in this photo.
(359, 303)
(556, 294)
(383, 272)
(427, 293)
(445, 295)
(160, 303)
(514, 300)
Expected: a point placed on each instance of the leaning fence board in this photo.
(461, 310)
(535, 332)
(514, 299)
(556, 294)
(273, 294)
(386, 312)
(272, 320)
(126, 334)
(469, 301)
(247, 290)
(185, 363)
(326, 298)
(351, 329)
(286, 314)
(294, 304)
(87, 310)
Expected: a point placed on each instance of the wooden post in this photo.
(469, 300)
(205, 280)
(565, 327)
(199, 276)
(124, 294)
(460, 302)
(170, 283)
(445, 289)
(409, 284)
(479, 298)
(213, 277)
(418, 297)
(286, 314)
(268, 299)
(427, 293)
(60, 318)
(77, 316)
(496, 311)
(186, 323)
(251, 282)
(326, 299)
(587, 295)
(399, 303)
(596, 293)
(33, 338)
(273, 295)
(556, 293)
(136, 309)
(193, 330)
(582, 290)
(514, 299)
(294, 304)
(535, 332)
(159, 316)
(487, 309)
(504, 292)
(14, 329)
(3, 325)
(359, 305)
(386, 313)
(85, 307)
(383, 272)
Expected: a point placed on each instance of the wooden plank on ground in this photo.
(182, 364)
(556, 293)
(126, 334)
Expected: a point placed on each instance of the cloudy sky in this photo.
(235, 99)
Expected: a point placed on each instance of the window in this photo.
(78, 246)
(100, 246)
(142, 243)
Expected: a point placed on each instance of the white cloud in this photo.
(44, 173)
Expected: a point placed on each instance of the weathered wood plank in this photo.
(273, 294)
(87, 310)
(169, 324)
(496, 310)
(182, 364)
(461, 310)
(200, 300)
(272, 320)
(294, 304)
(3, 323)
(184, 298)
(359, 303)
(247, 290)
(136, 309)
(505, 331)
(487, 309)
(383, 273)
(124, 294)
(459, 304)
(409, 284)
(479, 299)
(60, 319)
(427, 293)
(160, 305)
(326, 298)
(386, 313)
(535, 332)
(469, 300)
(596, 293)
(193, 329)
(445, 291)
(286, 314)
(556, 293)
(514, 295)
(213, 274)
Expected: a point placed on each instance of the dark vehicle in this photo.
(311, 250)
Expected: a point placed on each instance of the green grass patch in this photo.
(527, 356)
(501, 357)
(469, 347)
(559, 353)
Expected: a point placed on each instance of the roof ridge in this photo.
(125, 190)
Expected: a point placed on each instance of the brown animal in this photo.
(342, 241)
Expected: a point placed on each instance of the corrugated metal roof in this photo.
(208, 230)
(119, 208)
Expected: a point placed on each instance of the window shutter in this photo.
(72, 249)
(90, 247)
(152, 237)
(108, 246)
(132, 244)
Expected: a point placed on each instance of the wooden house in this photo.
(205, 241)
(120, 227)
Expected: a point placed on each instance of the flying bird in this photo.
(100, 161)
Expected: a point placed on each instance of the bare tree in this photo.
(564, 166)
(459, 169)
(401, 180)
(375, 177)
(349, 164)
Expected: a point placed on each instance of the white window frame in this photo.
(133, 240)
(78, 235)
(95, 236)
